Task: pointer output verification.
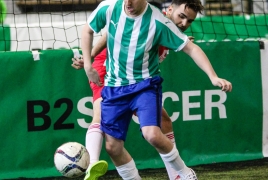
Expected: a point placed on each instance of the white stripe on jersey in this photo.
(149, 42)
(132, 50)
(117, 49)
(107, 61)
(108, 19)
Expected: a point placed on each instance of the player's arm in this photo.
(100, 45)
(87, 41)
(86, 44)
(200, 58)
(78, 62)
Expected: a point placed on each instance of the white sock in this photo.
(94, 138)
(128, 171)
(175, 161)
(172, 173)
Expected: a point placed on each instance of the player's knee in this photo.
(152, 135)
(113, 149)
(110, 149)
(152, 140)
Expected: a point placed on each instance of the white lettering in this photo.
(187, 105)
(219, 104)
(174, 97)
(84, 110)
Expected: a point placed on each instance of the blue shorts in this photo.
(119, 103)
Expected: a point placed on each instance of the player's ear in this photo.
(169, 10)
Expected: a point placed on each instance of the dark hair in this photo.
(195, 5)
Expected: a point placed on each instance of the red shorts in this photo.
(96, 90)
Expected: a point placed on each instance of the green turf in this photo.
(246, 170)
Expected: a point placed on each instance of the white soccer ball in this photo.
(71, 159)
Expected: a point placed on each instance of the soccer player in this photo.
(128, 89)
(183, 13)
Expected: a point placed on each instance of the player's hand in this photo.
(93, 76)
(191, 38)
(225, 85)
(78, 62)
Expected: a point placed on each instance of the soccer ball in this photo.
(71, 159)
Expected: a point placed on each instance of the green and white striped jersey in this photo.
(133, 43)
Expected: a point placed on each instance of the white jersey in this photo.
(133, 43)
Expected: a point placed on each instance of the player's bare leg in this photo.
(166, 124)
(94, 139)
(167, 151)
(167, 130)
(122, 160)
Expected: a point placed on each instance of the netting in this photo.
(54, 24)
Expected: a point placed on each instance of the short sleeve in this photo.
(97, 19)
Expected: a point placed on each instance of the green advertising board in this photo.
(216, 126)
(45, 103)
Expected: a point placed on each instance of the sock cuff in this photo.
(95, 125)
(170, 135)
(94, 128)
(128, 165)
(171, 156)
(128, 171)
